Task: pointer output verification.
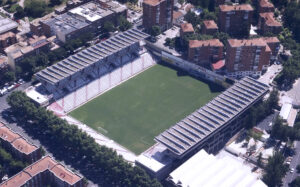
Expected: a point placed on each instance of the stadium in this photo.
(139, 100)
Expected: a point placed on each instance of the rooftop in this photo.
(7, 24)
(242, 7)
(45, 163)
(18, 49)
(152, 2)
(91, 11)
(204, 43)
(193, 129)
(270, 19)
(89, 56)
(18, 142)
(271, 39)
(218, 65)
(177, 14)
(266, 3)
(247, 42)
(8, 135)
(17, 180)
(187, 27)
(210, 24)
(7, 35)
(218, 170)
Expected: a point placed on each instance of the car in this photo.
(11, 87)
(21, 81)
(3, 91)
(292, 170)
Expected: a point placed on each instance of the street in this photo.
(295, 161)
(4, 106)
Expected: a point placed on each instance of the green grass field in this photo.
(136, 111)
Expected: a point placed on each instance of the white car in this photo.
(3, 91)
(292, 170)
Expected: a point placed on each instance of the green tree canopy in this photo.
(123, 23)
(275, 170)
(155, 30)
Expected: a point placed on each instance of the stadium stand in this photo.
(99, 85)
(72, 72)
(210, 126)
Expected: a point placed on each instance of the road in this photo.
(271, 73)
(295, 161)
(4, 106)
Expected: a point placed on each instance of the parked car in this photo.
(3, 91)
(11, 87)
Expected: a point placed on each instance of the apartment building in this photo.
(87, 18)
(21, 50)
(209, 27)
(18, 145)
(205, 52)
(45, 172)
(235, 19)
(268, 23)
(158, 12)
(274, 45)
(186, 28)
(6, 40)
(247, 57)
(265, 6)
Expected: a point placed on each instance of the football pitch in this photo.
(136, 111)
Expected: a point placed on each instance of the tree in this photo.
(192, 18)
(9, 77)
(155, 30)
(124, 24)
(78, 145)
(222, 36)
(295, 182)
(35, 8)
(275, 170)
(108, 27)
(55, 2)
(20, 13)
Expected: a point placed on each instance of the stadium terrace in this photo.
(89, 62)
(209, 126)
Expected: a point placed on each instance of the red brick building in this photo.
(186, 28)
(158, 12)
(247, 57)
(209, 27)
(274, 45)
(235, 19)
(265, 6)
(44, 172)
(6, 40)
(268, 23)
(205, 52)
(18, 146)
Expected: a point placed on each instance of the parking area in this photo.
(171, 33)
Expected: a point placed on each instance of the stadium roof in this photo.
(207, 170)
(197, 126)
(89, 56)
